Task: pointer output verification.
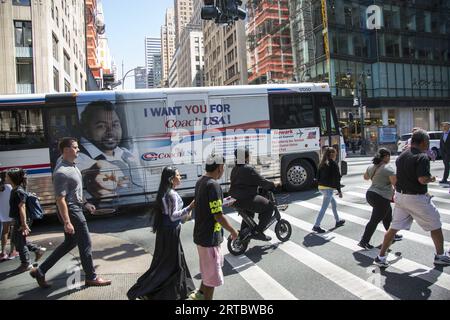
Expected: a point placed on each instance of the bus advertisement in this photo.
(127, 137)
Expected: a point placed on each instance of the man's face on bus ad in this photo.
(104, 130)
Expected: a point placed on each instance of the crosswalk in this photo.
(334, 263)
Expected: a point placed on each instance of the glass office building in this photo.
(394, 55)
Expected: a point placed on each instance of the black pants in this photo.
(81, 238)
(260, 205)
(22, 245)
(381, 211)
(446, 161)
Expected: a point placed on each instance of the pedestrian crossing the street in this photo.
(332, 265)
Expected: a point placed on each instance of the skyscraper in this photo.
(183, 14)
(153, 61)
(269, 42)
(167, 44)
(140, 78)
(387, 61)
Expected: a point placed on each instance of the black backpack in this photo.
(34, 208)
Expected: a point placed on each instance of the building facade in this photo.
(167, 44)
(173, 71)
(190, 59)
(42, 46)
(225, 54)
(183, 15)
(153, 62)
(269, 42)
(140, 78)
(390, 57)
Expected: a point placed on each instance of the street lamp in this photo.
(122, 81)
(360, 86)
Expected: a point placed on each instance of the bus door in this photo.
(186, 126)
(329, 131)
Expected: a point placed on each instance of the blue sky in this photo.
(127, 23)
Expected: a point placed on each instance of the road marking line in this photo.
(343, 278)
(423, 272)
(363, 195)
(426, 240)
(267, 287)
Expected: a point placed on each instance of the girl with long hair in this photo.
(21, 224)
(168, 277)
(379, 195)
(329, 179)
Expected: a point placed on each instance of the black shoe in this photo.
(398, 237)
(366, 246)
(443, 181)
(318, 229)
(261, 236)
(340, 223)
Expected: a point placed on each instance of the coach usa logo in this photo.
(374, 17)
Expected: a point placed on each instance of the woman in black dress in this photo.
(168, 277)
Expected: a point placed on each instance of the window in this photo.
(57, 16)
(55, 47)
(75, 73)
(21, 128)
(66, 63)
(55, 79)
(66, 86)
(22, 3)
(328, 121)
(24, 71)
(23, 34)
(291, 111)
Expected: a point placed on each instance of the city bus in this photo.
(126, 137)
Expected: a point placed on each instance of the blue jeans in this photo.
(327, 198)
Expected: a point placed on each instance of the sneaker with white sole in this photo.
(39, 253)
(381, 262)
(196, 295)
(442, 260)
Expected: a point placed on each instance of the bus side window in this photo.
(289, 111)
(21, 129)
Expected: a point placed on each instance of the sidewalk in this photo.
(114, 259)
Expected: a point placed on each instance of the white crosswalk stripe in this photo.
(363, 195)
(403, 264)
(353, 284)
(260, 281)
(426, 240)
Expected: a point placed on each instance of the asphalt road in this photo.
(311, 266)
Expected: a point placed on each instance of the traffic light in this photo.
(223, 11)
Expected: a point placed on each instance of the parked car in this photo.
(435, 137)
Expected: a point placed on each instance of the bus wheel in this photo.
(299, 175)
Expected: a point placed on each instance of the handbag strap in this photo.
(375, 171)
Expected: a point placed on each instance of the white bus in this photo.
(127, 137)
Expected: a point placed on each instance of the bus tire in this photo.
(298, 176)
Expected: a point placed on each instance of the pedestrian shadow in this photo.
(314, 240)
(254, 254)
(124, 251)
(393, 282)
(59, 284)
